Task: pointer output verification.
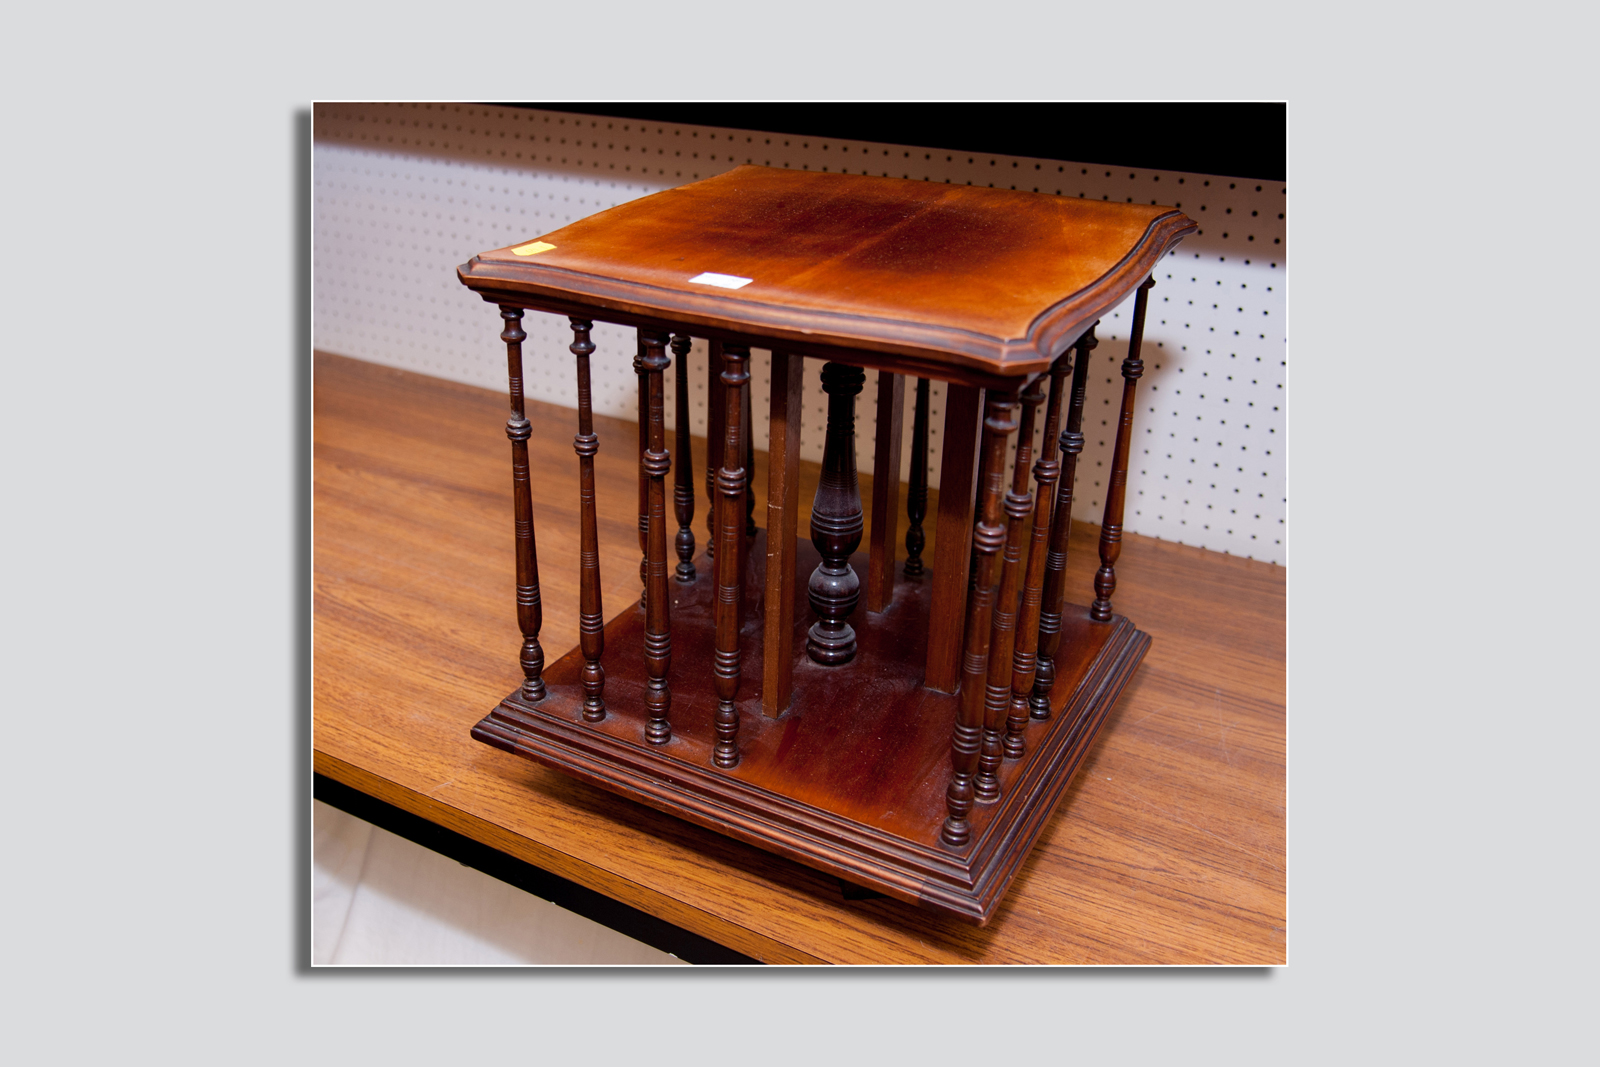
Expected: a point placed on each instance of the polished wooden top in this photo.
(992, 280)
(1167, 848)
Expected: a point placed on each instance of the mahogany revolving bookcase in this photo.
(914, 744)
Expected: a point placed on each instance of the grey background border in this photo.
(1438, 808)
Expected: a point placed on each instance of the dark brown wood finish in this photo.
(836, 525)
(952, 550)
(1025, 659)
(947, 279)
(683, 475)
(1056, 564)
(850, 783)
(1003, 628)
(732, 483)
(912, 366)
(885, 490)
(591, 616)
(988, 537)
(917, 497)
(1167, 848)
(884, 274)
(530, 609)
(1105, 579)
(657, 599)
(783, 510)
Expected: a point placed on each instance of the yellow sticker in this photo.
(532, 249)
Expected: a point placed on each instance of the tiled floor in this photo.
(380, 899)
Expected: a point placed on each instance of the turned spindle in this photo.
(729, 505)
(917, 500)
(657, 625)
(1105, 579)
(1003, 625)
(1071, 441)
(1024, 661)
(591, 619)
(988, 535)
(836, 522)
(530, 612)
(683, 476)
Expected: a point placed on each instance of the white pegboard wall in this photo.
(403, 193)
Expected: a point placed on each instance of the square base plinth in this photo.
(851, 778)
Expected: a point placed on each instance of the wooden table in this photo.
(915, 748)
(1167, 848)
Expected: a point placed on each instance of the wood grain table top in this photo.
(1167, 849)
(992, 280)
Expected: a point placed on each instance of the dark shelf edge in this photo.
(641, 926)
(1241, 139)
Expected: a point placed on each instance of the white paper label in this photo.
(721, 281)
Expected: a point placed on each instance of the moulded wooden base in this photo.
(851, 779)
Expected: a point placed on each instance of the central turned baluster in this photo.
(1002, 637)
(917, 501)
(1044, 675)
(1025, 660)
(732, 479)
(657, 623)
(836, 522)
(683, 477)
(591, 619)
(1105, 579)
(530, 612)
(987, 537)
